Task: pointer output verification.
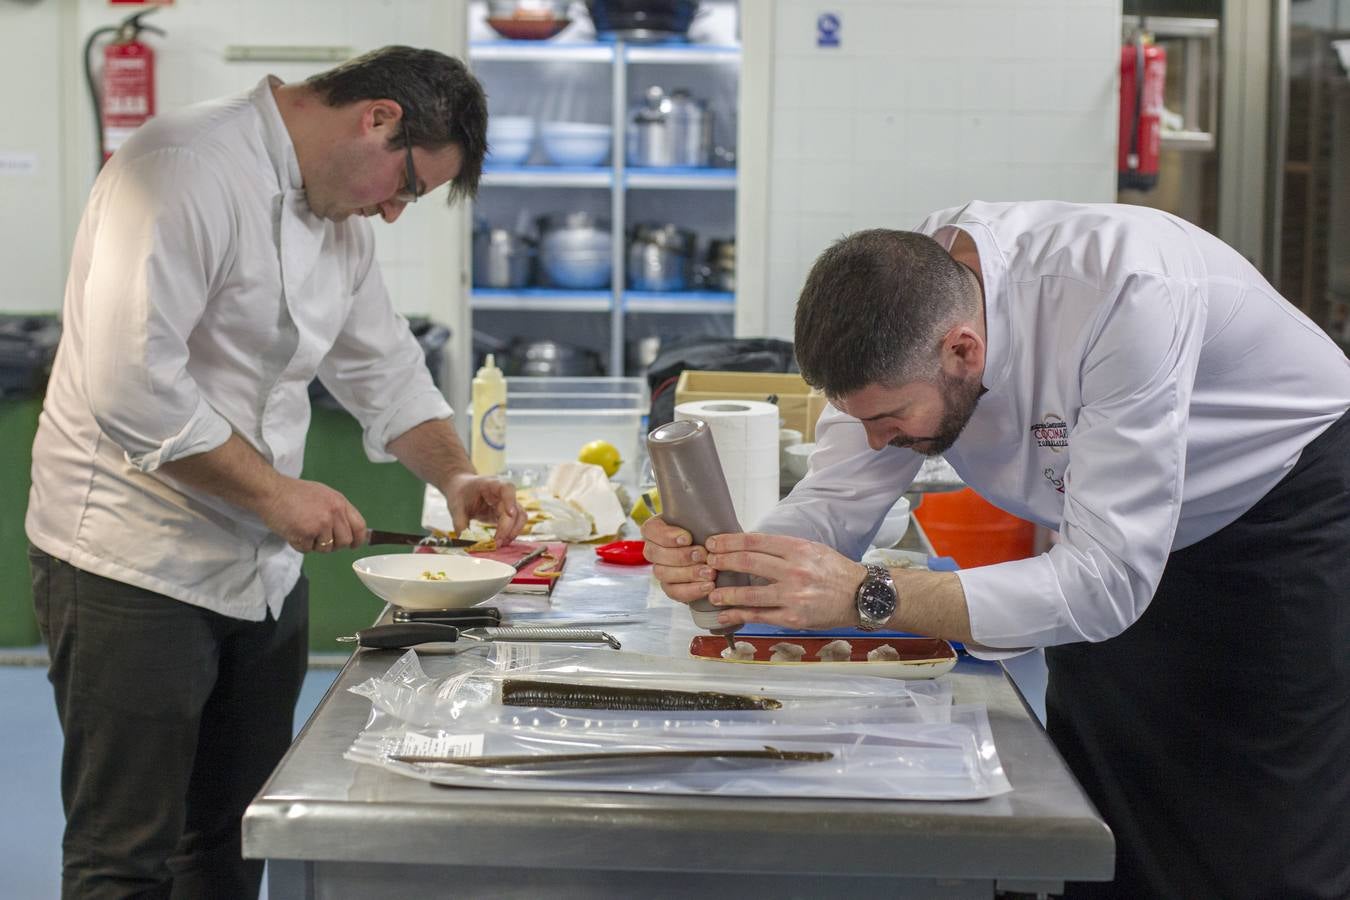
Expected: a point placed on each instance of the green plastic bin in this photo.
(27, 347)
(387, 494)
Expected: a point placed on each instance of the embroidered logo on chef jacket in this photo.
(1052, 432)
(1054, 479)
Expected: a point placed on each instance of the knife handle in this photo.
(529, 557)
(473, 617)
(374, 536)
(405, 634)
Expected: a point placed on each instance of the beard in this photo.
(959, 399)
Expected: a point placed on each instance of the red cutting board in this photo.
(517, 550)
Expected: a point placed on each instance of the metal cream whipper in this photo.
(694, 497)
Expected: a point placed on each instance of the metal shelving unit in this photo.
(539, 300)
(617, 178)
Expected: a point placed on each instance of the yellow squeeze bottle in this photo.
(488, 441)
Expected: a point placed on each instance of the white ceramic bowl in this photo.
(895, 524)
(575, 143)
(510, 152)
(398, 579)
(799, 459)
(504, 128)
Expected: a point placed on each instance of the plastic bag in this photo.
(473, 689)
(891, 760)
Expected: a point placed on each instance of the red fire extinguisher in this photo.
(1143, 70)
(124, 98)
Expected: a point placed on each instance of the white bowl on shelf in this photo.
(402, 579)
(509, 153)
(503, 127)
(575, 143)
(510, 139)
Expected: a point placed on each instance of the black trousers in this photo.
(173, 718)
(1214, 734)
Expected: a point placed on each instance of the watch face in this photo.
(876, 599)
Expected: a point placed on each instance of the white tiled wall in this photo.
(925, 105)
(32, 264)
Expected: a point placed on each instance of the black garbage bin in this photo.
(27, 348)
(430, 335)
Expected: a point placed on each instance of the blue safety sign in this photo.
(827, 30)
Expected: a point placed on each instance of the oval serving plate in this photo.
(920, 657)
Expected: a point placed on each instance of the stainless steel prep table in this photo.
(331, 828)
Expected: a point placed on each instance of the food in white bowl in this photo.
(423, 581)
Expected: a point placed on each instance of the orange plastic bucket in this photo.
(963, 525)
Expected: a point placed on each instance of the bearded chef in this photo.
(1125, 378)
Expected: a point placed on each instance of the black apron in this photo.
(1214, 734)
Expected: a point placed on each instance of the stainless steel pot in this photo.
(659, 257)
(574, 250)
(550, 358)
(651, 137)
(640, 354)
(502, 259)
(672, 129)
(719, 272)
(691, 124)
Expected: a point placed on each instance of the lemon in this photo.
(647, 505)
(602, 454)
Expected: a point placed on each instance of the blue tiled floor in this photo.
(30, 765)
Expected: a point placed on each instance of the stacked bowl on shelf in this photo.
(575, 143)
(510, 140)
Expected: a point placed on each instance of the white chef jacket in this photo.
(203, 297)
(1146, 387)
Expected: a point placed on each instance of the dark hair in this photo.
(874, 309)
(442, 102)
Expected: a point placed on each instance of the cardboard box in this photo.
(799, 406)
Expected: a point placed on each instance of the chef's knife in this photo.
(374, 536)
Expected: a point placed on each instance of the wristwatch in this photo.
(876, 599)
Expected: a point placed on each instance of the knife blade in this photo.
(375, 536)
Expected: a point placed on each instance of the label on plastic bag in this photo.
(441, 744)
(509, 657)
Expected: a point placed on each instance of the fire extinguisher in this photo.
(1143, 70)
(124, 94)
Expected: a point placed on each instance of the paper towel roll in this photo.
(746, 435)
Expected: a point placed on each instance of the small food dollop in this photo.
(433, 576)
(785, 652)
(884, 653)
(836, 651)
(744, 652)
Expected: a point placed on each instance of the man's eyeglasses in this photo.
(411, 190)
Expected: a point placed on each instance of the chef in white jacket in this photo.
(224, 260)
(1126, 379)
